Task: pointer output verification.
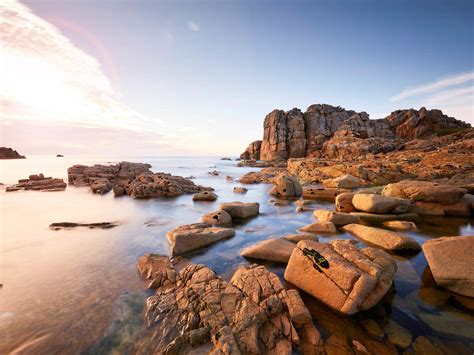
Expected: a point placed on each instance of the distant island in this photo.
(9, 153)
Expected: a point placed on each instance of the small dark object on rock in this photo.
(67, 225)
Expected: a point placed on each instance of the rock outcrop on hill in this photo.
(333, 132)
(9, 153)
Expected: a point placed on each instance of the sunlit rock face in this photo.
(334, 132)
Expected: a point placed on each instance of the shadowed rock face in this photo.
(9, 153)
(252, 152)
(332, 132)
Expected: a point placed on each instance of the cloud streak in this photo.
(434, 86)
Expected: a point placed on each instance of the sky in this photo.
(197, 78)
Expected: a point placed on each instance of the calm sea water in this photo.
(73, 291)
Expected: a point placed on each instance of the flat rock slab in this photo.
(277, 250)
(241, 209)
(374, 203)
(38, 183)
(365, 216)
(451, 260)
(295, 238)
(319, 227)
(424, 191)
(338, 218)
(189, 237)
(400, 225)
(70, 225)
(383, 238)
(321, 193)
(352, 280)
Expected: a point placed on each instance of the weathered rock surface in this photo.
(70, 225)
(424, 191)
(240, 190)
(190, 237)
(400, 225)
(374, 203)
(38, 183)
(295, 238)
(344, 202)
(320, 227)
(241, 209)
(321, 193)
(343, 182)
(383, 238)
(277, 250)
(451, 260)
(252, 152)
(266, 175)
(286, 186)
(194, 311)
(9, 153)
(354, 280)
(338, 218)
(377, 217)
(218, 218)
(205, 196)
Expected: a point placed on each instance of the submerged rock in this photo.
(277, 250)
(295, 238)
(193, 310)
(383, 238)
(69, 225)
(374, 203)
(353, 280)
(451, 262)
(38, 183)
(190, 237)
(205, 196)
(241, 209)
(398, 335)
(218, 218)
(286, 186)
(400, 225)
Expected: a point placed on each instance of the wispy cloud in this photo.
(193, 26)
(434, 86)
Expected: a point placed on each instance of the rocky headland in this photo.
(9, 153)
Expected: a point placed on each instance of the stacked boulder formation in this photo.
(38, 183)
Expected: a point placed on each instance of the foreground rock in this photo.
(194, 311)
(319, 227)
(277, 250)
(338, 218)
(382, 238)
(240, 209)
(400, 225)
(205, 196)
(374, 203)
(70, 225)
(218, 218)
(38, 183)
(295, 238)
(286, 186)
(189, 237)
(9, 153)
(353, 280)
(451, 262)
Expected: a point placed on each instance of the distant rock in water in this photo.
(38, 183)
(69, 225)
(59, 156)
(9, 153)
(333, 132)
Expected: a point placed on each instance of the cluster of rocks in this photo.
(133, 179)
(70, 225)
(213, 227)
(195, 311)
(328, 131)
(38, 183)
(9, 153)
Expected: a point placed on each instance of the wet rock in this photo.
(319, 227)
(343, 182)
(373, 328)
(354, 279)
(205, 196)
(277, 250)
(398, 335)
(240, 190)
(382, 238)
(321, 193)
(337, 344)
(338, 218)
(70, 225)
(451, 323)
(38, 183)
(424, 191)
(218, 218)
(433, 296)
(9, 153)
(459, 208)
(374, 203)
(295, 238)
(241, 209)
(375, 217)
(287, 186)
(189, 237)
(100, 186)
(195, 309)
(450, 261)
(422, 345)
(344, 202)
(400, 225)
(466, 302)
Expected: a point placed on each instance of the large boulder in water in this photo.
(218, 218)
(241, 209)
(287, 186)
(451, 262)
(351, 281)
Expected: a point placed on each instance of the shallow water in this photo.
(73, 291)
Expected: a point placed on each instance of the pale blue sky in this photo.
(205, 74)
